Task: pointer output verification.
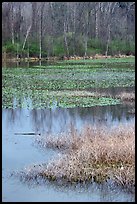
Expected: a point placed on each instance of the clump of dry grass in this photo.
(125, 96)
(125, 176)
(63, 142)
(97, 153)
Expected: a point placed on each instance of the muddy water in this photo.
(20, 151)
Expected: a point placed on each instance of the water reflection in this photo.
(17, 64)
(104, 192)
(58, 119)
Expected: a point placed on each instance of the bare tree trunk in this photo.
(17, 51)
(86, 44)
(28, 31)
(96, 23)
(40, 33)
(19, 32)
(96, 29)
(65, 39)
(108, 40)
(41, 27)
(111, 7)
(17, 54)
(39, 62)
(86, 32)
(11, 11)
(34, 17)
(12, 37)
(28, 56)
(12, 24)
(40, 44)
(74, 29)
(28, 51)
(97, 19)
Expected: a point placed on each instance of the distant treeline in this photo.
(47, 29)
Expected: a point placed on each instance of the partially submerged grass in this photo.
(126, 96)
(123, 96)
(62, 142)
(94, 154)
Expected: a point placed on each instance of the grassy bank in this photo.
(95, 154)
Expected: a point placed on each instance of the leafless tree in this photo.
(70, 24)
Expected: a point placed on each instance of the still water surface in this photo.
(20, 151)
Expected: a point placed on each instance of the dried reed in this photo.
(97, 153)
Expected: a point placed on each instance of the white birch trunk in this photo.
(40, 45)
(12, 33)
(96, 24)
(12, 25)
(28, 52)
(28, 31)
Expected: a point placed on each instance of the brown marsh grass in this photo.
(123, 96)
(94, 154)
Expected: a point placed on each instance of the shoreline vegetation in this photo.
(96, 154)
(5, 57)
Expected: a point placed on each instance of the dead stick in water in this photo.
(29, 133)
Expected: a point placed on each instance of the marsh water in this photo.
(20, 151)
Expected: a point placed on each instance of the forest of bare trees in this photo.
(45, 29)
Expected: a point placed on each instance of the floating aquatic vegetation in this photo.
(50, 99)
(37, 84)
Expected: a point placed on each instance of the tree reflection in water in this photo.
(52, 121)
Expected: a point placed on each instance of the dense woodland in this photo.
(46, 29)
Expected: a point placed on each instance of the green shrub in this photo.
(34, 49)
(12, 48)
(96, 46)
(93, 51)
(55, 46)
(94, 43)
(79, 45)
(122, 47)
(58, 47)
